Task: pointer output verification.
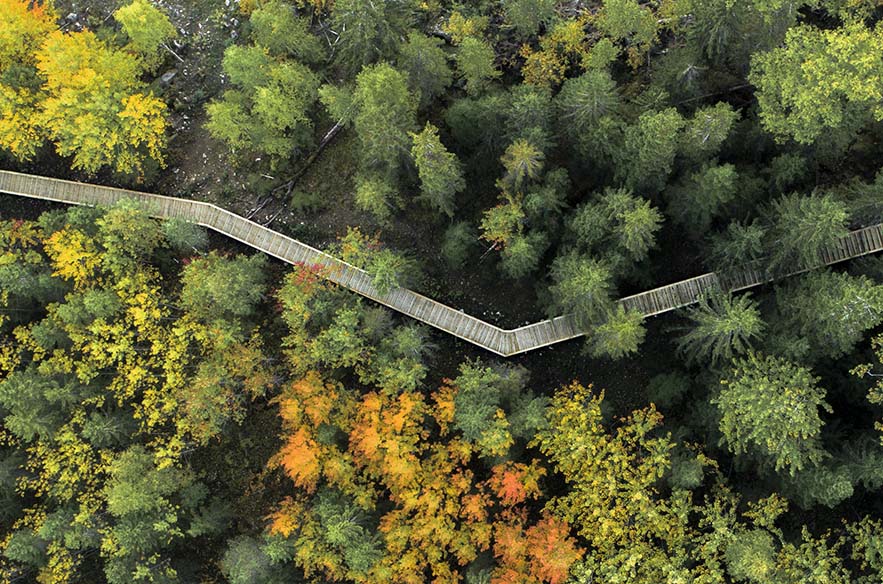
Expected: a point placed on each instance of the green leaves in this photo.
(722, 327)
(270, 112)
(803, 226)
(441, 174)
(769, 409)
(820, 80)
(583, 286)
(148, 30)
(475, 64)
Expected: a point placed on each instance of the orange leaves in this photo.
(300, 459)
(514, 482)
(387, 437)
(306, 406)
(542, 553)
(552, 549)
(311, 396)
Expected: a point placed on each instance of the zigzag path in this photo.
(505, 343)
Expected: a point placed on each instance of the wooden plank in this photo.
(445, 318)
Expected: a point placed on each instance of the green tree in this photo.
(426, 64)
(369, 31)
(751, 556)
(740, 244)
(649, 149)
(129, 236)
(475, 64)
(184, 237)
(523, 163)
(270, 111)
(456, 244)
(150, 507)
(618, 225)
(386, 111)
(527, 16)
(820, 80)
(522, 254)
(388, 270)
(584, 100)
(148, 30)
(530, 115)
(245, 561)
(634, 220)
(628, 21)
(830, 311)
(801, 227)
(441, 174)
(377, 195)
(703, 195)
(582, 286)
(215, 287)
(769, 409)
(276, 27)
(722, 327)
(487, 404)
(706, 131)
(620, 335)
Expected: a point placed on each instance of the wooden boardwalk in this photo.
(450, 320)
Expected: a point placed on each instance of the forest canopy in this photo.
(175, 407)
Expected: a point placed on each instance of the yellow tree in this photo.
(96, 109)
(23, 27)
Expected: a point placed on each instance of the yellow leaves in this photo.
(142, 126)
(23, 26)
(94, 109)
(444, 408)
(19, 132)
(286, 519)
(74, 256)
(565, 44)
(461, 27)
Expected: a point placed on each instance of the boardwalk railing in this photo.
(450, 320)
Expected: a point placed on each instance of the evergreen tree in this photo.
(276, 27)
(801, 227)
(769, 409)
(723, 326)
(621, 334)
(582, 287)
(369, 31)
(386, 111)
(475, 64)
(426, 64)
(830, 311)
(441, 175)
(648, 152)
(696, 201)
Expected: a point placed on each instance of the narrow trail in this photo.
(505, 343)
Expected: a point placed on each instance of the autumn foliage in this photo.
(396, 461)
